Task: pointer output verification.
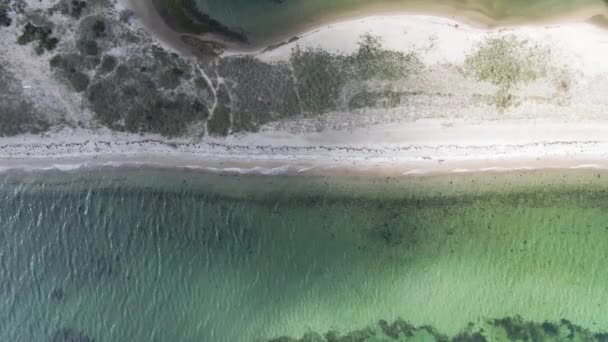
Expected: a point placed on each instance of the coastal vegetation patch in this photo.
(507, 62)
(130, 99)
(148, 90)
(17, 114)
(220, 123)
(372, 61)
(259, 92)
(76, 66)
(366, 98)
(73, 67)
(14, 6)
(93, 31)
(312, 82)
(108, 64)
(322, 76)
(42, 35)
(73, 8)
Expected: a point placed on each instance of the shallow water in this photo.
(146, 255)
(265, 20)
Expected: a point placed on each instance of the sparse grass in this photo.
(219, 124)
(17, 115)
(71, 69)
(507, 62)
(321, 76)
(371, 99)
(371, 61)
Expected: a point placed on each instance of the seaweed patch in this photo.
(507, 328)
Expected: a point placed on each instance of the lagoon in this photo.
(264, 21)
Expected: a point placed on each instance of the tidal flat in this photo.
(165, 255)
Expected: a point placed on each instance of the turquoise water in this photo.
(265, 20)
(145, 255)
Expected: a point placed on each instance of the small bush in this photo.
(5, 20)
(320, 78)
(41, 34)
(507, 62)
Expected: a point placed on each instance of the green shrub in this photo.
(41, 34)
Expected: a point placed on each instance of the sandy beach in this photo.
(421, 148)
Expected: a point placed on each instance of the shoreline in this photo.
(476, 19)
(431, 148)
(302, 168)
(155, 25)
(471, 18)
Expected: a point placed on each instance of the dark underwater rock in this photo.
(57, 294)
(70, 335)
